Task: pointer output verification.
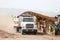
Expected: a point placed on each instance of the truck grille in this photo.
(29, 25)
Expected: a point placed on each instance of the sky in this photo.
(46, 7)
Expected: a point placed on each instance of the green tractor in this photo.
(57, 29)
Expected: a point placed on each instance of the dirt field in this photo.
(6, 23)
(33, 37)
(19, 36)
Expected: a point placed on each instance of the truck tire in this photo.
(56, 32)
(35, 33)
(22, 32)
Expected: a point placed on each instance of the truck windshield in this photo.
(28, 20)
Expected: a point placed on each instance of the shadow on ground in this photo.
(39, 33)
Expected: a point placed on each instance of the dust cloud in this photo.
(6, 22)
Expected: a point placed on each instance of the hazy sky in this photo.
(35, 5)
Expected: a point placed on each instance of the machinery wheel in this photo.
(56, 32)
(22, 32)
(35, 33)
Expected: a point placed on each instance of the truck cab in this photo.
(27, 24)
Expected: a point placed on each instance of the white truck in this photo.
(27, 24)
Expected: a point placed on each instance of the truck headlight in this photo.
(35, 26)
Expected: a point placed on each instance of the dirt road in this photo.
(18, 36)
(39, 36)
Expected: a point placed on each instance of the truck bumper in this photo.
(29, 30)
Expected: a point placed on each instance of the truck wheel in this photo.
(35, 33)
(56, 32)
(22, 32)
